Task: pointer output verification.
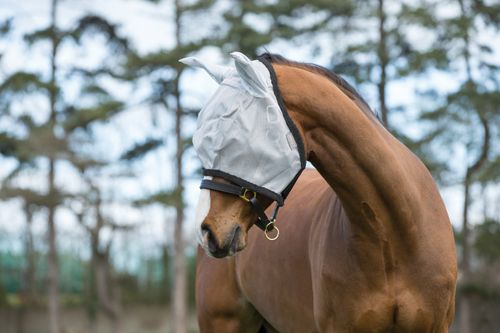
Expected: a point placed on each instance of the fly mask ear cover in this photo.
(244, 134)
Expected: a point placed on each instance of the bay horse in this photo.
(365, 243)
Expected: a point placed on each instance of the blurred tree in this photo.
(22, 82)
(164, 70)
(252, 26)
(104, 284)
(379, 49)
(467, 118)
(96, 105)
(5, 28)
(32, 201)
(67, 123)
(487, 240)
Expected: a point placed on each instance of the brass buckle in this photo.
(269, 228)
(244, 195)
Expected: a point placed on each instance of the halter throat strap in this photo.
(265, 223)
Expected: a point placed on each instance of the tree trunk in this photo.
(28, 287)
(179, 292)
(465, 314)
(383, 58)
(165, 287)
(465, 322)
(464, 299)
(107, 291)
(53, 264)
(180, 276)
(29, 274)
(105, 284)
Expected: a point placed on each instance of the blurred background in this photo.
(98, 179)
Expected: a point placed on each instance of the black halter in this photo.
(265, 223)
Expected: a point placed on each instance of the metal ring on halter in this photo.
(270, 227)
(244, 195)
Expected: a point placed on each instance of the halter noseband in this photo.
(265, 223)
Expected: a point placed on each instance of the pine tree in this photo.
(68, 122)
(467, 118)
(166, 94)
(104, 286)
(380, 50)
(253, 26)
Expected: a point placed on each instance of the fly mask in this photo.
(245, 135)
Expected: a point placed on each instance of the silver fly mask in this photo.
(244, 133)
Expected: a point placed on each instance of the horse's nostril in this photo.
(212, 244)
(205, 229)
(222, 247)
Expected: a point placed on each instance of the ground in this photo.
(140, 319)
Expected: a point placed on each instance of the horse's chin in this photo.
(219, 254)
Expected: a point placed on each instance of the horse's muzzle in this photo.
(221, 248)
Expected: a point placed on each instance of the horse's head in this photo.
(224, 221)
(250, 150)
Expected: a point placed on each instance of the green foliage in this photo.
(139, 150)
(95, 91)
(22, 83)
(5, 27)
(83, 117)
(42, 35)
(8, 145)
(139, 65)
(490, 173)
(250, 26)
(93, 24)
(196, 6)
(171, 198)
(480, 289)
(3, 297)
(191, 268)
(28, 195)
(487, 242)
(459, 118)
(490, 12)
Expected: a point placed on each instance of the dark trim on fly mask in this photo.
(289, 122)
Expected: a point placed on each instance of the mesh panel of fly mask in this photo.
(244, 133)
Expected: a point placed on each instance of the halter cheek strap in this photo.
(265, 223)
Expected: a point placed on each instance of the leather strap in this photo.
(222, 187)
(262, 220)
(228, 188)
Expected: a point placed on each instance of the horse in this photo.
(365, 243)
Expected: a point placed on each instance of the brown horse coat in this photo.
(273, 281)
(365, 245)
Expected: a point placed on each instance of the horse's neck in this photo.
(371, 172)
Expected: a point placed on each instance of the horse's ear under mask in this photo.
(251, 74)
(217, 72)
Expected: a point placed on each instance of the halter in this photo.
(264, 223)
